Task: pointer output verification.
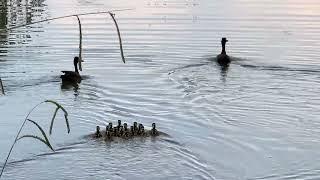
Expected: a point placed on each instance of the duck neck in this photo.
(223, 51)
(76, 68)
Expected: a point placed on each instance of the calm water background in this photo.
(257, 120)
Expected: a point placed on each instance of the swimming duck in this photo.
(110, 126)
(223, 58)
(131, 131)
(110, 129)
(141, 130)
(135, 128)
(72, 76)
(98, 134)
(107, 129)
(119, 124)
(115, 131)
(125, 130)
(121, 131)
(108, 134)
(154, 131)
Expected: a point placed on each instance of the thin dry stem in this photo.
(2, 88)
(80, 43)
(119, 36)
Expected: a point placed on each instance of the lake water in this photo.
(259, 119)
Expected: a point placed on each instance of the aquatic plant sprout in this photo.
(45, 139)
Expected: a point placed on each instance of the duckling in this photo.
(223, 58)
(119, 124)
(108, 135)
(135, 128)
(125, 130)
(140, 127)
(121, 131)
(141, 130)
(115, 131)
(154, 131)
(110, 128)
(72, 76)
(131, 130)
(107, 129)
(98, 134)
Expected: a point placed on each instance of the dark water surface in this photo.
(259, 119)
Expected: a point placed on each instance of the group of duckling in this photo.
(122, 131)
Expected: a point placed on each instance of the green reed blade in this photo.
(41, 130)
(38, 138)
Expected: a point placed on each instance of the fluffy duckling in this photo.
(98, 134)
(108, 135)
(110, 128)
(121, 131)
(131, 130)
(154, 131)
(135, 128)
(141, 130)
(125, 130)
(115, 131)
(223, 58)
(119, 124)
(107, 129)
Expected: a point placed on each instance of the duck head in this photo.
(110, 126)
(153, 126)
(125, 126)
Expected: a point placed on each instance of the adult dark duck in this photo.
(72, 76)
(223, 58)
